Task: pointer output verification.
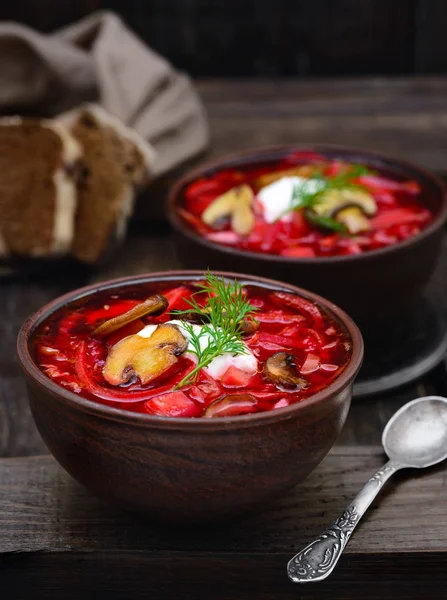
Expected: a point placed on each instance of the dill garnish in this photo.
(225, 308)
(310, 193)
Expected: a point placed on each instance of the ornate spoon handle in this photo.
(317, 560)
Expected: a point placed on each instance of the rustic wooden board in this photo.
(265, 38)
(56, 539)
(404, 117)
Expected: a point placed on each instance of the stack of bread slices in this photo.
(67, 185)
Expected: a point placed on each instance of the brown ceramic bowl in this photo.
(375, 283)
(186, 469)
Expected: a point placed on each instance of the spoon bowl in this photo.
(416, 435)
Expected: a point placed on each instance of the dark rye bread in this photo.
(37, 191)
(114, 165)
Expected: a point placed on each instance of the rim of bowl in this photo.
(126, 416)
(225, 161)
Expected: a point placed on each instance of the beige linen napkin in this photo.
(100, 59)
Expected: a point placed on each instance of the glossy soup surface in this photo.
(66, 352)
(399, 213)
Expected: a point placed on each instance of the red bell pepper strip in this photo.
(383, 183)
(278, 316)
(399, 216)
(111, 311)
(177, 298)
(309, 309)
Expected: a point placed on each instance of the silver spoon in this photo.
(415, 436)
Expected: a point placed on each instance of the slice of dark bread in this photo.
(37, 187)
(116, 161)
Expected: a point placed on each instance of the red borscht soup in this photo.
(209, 348)
(304, 206)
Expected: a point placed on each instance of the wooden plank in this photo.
(429, 44)
(256, 38)
(44, 510)
(402, 117)
(299, 38)
(56, 539)
(224, 577)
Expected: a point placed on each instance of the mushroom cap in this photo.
(154, 305)
(333, 201)
(236, 203)
(280, 369)
(146, 358)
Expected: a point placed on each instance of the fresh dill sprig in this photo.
(325, 221)
(309, 194)
(225, 309)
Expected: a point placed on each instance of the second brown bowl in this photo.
(368, 286)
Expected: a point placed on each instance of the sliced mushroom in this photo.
(361, 198)
(194, 317)
(353, 219)
(220, 208)
(231, 405)
(299, 171)
(352, 207)
(146, 358)
(243, 219)
(249, 325)
(280, 369)
(154, 305)
(237, 203)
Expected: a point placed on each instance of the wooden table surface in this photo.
(404, 117)
(58, 541)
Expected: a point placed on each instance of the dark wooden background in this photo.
(271, 37)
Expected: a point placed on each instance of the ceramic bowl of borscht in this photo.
(190, 395)
(360, 228)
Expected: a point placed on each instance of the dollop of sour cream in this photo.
(217, 367)
(276, 198)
